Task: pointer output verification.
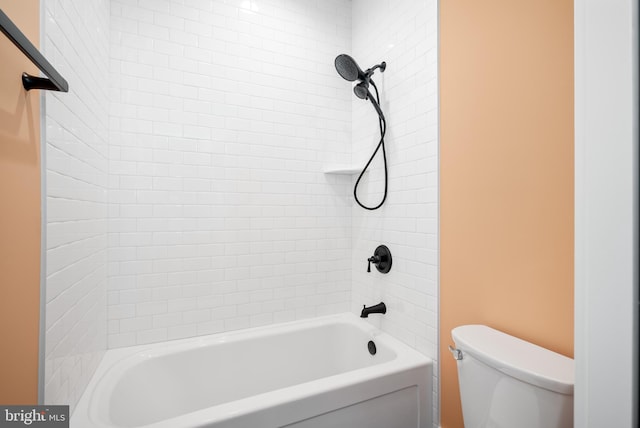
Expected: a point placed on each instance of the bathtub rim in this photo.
(118, 360)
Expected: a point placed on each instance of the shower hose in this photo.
(383, 130)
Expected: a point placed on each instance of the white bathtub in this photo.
(315, 373)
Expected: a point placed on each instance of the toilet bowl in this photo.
(506, 382)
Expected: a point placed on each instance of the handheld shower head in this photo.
(362, 90)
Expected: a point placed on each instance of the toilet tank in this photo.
(506, 382)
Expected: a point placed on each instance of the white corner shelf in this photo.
(342, 170)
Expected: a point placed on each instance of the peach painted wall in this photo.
(19, 213)
(506, 189)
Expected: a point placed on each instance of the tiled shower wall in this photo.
(223, 117)
(404, 34)
(75, 39)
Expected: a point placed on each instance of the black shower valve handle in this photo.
(375, 260)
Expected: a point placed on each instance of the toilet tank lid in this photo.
(517, 358)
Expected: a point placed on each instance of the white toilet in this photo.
(506, 382)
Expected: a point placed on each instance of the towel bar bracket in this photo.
(32, 82)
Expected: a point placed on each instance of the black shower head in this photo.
(348, 68)
(362, 90)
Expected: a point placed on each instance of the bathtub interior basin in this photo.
(228, 379)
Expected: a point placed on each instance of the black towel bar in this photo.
(54, 82)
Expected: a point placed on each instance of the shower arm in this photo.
(382, 66)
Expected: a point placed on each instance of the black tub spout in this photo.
(380, 308)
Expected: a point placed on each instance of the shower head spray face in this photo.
(348, 68)
(362, 90)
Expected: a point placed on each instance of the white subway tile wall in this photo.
(75, 40)
(404, 34)
(223, 115)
